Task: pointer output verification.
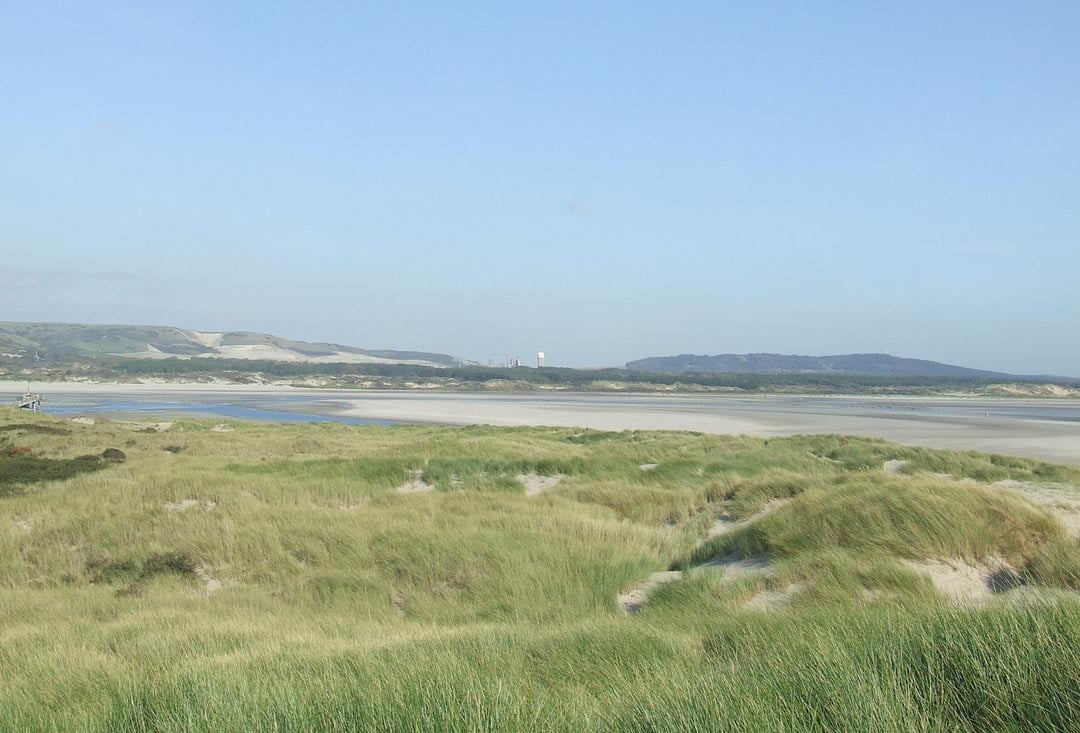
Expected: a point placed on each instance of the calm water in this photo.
(321, 407)
(240, 412)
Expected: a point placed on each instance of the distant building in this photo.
(539, 359)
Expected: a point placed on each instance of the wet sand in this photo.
(1045, 429)
(913, 421)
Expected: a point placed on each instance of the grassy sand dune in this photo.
(210, 576)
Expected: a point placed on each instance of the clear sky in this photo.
(600, 181)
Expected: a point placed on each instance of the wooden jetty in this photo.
(29, 401)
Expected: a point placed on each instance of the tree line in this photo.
(544, 376)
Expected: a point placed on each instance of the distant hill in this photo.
(881, 365)
(68, 341)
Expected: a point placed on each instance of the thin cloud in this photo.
(18, 278)
(577, 207)
(110, 130)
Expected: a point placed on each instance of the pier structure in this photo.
(29, 401)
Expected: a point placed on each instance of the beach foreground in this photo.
(205, 575)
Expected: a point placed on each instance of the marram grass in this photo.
(245, 576)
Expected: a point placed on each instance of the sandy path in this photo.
(634, 599)
(726, 525)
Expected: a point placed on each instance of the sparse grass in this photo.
(1056, 564)
(34, 427)
(344, 605)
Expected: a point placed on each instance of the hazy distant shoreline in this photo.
(684, 391)
(69, 387)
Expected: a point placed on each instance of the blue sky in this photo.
(601, 181)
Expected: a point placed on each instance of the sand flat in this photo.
(911, 421)
(1043, 429)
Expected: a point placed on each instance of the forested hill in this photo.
(883, 365)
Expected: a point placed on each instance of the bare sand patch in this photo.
(725, 524)
(648, 466)
(633, 600)
(207, 338)
(774, 600)
(894, 465)
(734, 568)
(221, 428)
(535, 484)
(159, 427)
(965, 582)
(24, 524)
(730, 569)
(416, 484)
(279, 353)
(84, 421)
(212, 584)
(1062, 502)
(415, 487)
(184, 504)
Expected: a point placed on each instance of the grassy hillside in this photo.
(879, 365)
(56, 351)
(29, 344)
(206, 575)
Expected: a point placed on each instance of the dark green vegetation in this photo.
(343, 375)
(253, 576)
(19, 467)
(33, 427)
(878, 365)
(16, 471)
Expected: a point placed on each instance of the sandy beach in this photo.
(905, 420)
(1045, 429)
